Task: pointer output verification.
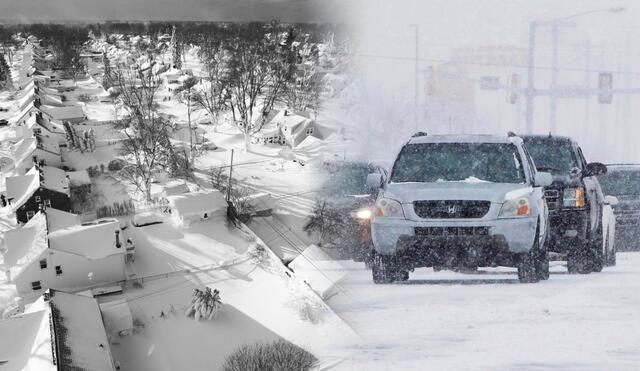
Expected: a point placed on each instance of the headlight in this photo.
(573, 197)
(515, 207)
(387, 207)
(362, 214)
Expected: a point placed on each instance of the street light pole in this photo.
(530, 77)
(553, 103)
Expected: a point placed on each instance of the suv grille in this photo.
(451, 231)
(450, 209)
(552, 196)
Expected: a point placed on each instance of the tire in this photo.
(597, 255)
(542, 262)
(528, 262)
(383, 268)
(576, 261)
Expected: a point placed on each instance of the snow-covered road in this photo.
(488, 321)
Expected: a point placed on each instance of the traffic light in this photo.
(605, 85)
(514, 85)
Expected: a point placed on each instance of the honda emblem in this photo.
(451, 209)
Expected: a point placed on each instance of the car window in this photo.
(620, 183)
(552, 156)
(471, 162)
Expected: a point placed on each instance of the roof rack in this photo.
(419, 134)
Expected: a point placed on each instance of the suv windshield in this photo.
(471, 162)
(619, 183)
(347, 179)
(552, 156)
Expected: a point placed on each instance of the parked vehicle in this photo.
(348, 202)
(623, 182)
(460, 201)
(576, 203)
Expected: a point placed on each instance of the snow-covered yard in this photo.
(488, 321)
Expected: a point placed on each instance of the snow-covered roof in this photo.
(480, 138)
(197, 203)
(78, 178)
(25, 244)
(55, 179)
(20, 188)
(117, 315)
(58, 219)
(64, 113)
(291, 119)
(102, 236)
(176, 188)
(29, 345)
(84, 345)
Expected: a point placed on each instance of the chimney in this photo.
(118, 244)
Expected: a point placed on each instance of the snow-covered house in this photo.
(60, 331)
(41, 187)
(73, 257)
(288, 127)
(73, 114)
(193, 207)
(35, 151)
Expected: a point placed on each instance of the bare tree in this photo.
(212, 94)
(260, 66)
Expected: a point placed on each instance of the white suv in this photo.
(460, 202)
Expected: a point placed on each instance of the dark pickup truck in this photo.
(575, 201)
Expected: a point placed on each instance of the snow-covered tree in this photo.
(204, 304)
(5, 72)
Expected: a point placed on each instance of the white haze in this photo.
(382, 109)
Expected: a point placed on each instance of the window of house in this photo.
(309, 131)
(58, 270)
(43, 263)
(36, 286)
(47, 203)
(38, 199)
(30, 214)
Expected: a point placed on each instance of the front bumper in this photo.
(511, 235)
(567, 229)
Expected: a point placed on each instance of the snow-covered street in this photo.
(489, 321)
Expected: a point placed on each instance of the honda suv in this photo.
(576, 202)
(460, 201)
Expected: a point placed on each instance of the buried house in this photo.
(40, 188)
(290, 128)
(60, 331)
(71, 257)
(189, 208)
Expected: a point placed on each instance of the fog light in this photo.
(571, 233)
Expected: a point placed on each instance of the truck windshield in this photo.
(621, 183)
(459, 162)
(552, 156)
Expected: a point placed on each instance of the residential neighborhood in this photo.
(104, 242)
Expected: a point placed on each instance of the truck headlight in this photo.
(573, 197)
(515, 207)
(362, 214)
(387, 207)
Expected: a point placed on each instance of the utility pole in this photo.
(553, 103)
(416, 78)
(230, 172)
(530, 77)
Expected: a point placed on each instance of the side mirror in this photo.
(595, 169)
(611, 200)
(543, 179)
(374, 180)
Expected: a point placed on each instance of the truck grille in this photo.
(451, 209)
(552, 196)
(451, 231)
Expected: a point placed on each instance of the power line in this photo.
(547, 68)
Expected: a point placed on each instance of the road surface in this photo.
(489, 321)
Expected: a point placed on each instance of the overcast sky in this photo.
(211, 10)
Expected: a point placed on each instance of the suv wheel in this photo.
(383, 268)
(542, 261)
(579, 258)
(598, 252)
(529, 262)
